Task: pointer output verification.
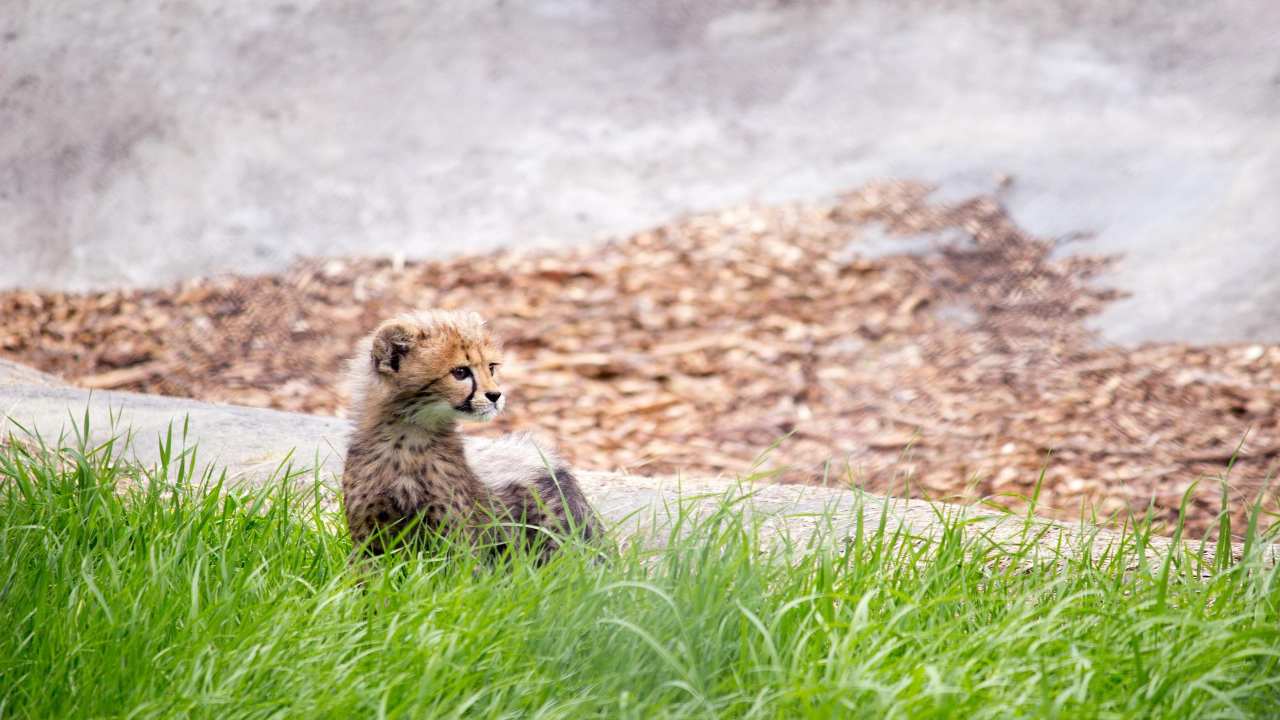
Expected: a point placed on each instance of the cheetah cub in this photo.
(410, 474)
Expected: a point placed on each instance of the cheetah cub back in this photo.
(408, 470)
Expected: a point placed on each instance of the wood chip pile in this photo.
(696, 346)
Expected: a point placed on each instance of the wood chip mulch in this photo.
(693, 347)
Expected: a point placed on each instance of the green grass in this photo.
(143, 594)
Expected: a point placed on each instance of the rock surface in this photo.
(251, 443)
(147, 142)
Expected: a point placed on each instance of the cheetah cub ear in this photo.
(391, 343)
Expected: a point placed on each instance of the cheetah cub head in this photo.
(433, 367)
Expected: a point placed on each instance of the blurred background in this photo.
(933, 247)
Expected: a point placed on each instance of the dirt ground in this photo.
(961, 371)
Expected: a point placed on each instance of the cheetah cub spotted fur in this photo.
(409, 473)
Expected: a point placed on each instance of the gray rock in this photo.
(252, 444)
(12, 373)
(146, 142)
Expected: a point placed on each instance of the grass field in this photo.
(129, 594)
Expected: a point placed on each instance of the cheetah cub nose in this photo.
(493, 395)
